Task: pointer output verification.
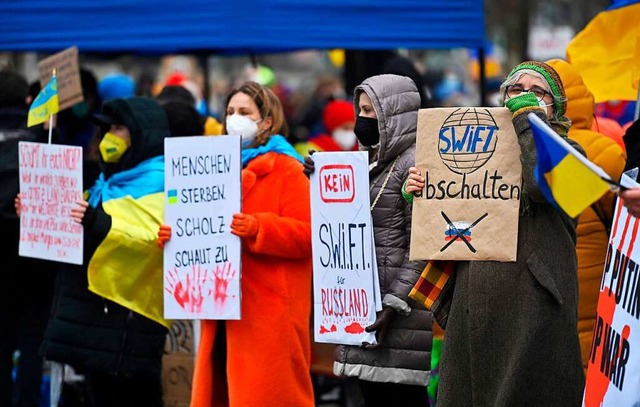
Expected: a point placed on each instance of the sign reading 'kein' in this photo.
(337, 183)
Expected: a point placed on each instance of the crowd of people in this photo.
(516, 333)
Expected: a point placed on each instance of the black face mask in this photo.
(366, 130)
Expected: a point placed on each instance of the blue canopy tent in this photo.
(240, 27)
(249, 26)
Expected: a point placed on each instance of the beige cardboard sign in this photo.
(67, 75)
(470, 159)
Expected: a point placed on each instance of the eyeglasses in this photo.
(516, 90)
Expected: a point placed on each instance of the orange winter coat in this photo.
(592, 234)
(268, 350)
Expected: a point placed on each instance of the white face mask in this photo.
(544, 105)
(344, 138)
(242, 125)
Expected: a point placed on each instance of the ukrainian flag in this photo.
(607, 52)
(45, 104)
(566, 178)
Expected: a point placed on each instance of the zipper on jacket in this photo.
(128, 318)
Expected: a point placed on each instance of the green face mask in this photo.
(112, 148)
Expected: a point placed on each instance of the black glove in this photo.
(309, 165)
(381, 325)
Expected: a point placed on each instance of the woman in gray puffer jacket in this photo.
(398, 366)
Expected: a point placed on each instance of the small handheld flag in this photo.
(566, 178)
(45, 104)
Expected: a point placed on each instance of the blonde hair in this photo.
(268, 105)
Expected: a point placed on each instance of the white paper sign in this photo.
(613, 370)
(343, 261)
(50, 186)
(202, 258)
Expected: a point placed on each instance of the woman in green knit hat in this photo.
(511, 328)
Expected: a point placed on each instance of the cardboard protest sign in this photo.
(202, 259)
(178, 363)
(470, 159)
(613, 370)
(67, 75)
(50, 186)
(343, 249)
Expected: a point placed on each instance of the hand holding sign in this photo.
(244, 225)
(380, 327)
(164, 235)
(17, 203)
(79, 211)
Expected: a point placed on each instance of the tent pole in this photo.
(483, 79)
(203, 57)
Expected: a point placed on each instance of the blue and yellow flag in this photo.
(566, 178)
(45, 104)
(607, 52)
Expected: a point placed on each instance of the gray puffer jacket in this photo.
(405, 353)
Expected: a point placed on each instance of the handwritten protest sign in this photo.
(343, 251)
(470, 159)
(50, 186)
(613, 370)
(67, 75)
(202, 259)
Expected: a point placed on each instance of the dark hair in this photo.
(183, 118)
(175, 93)
(268, 105)
(13, 89)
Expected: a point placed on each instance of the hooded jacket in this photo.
(89, 331)
(592, 230)
(405, 353)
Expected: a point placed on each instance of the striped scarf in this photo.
(434, 288)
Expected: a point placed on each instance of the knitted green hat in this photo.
(552, 78)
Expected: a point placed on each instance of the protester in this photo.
(106, 318)
(609, 128)
(339, 120)
(595, 222)
(269, 348)
(511, 328)
(632, 143)
(178, 93)
(27, 282)
(401, 65)
(631, 197)
(397, 367)
(116, 86)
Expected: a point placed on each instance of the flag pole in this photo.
(50, 127)
(53, 74)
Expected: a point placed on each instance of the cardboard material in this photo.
(178, 364)
(67, 75)
(469, 208)
(177, 378)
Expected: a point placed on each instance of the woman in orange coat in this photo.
(264, 358)
(592, 229)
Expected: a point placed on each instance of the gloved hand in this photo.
(309, 165)
(524, 100)
(164, 235)
(244, 225)
(381, 325)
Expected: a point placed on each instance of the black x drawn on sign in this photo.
(460, 233)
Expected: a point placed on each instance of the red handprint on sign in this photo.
(221, 277)
(188, 295)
